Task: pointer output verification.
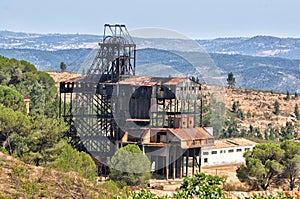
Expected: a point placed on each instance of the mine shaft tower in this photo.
(111, 107)
(89, 114)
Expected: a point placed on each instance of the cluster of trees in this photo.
(271, 164)
(232, 128)
(38, 86)
(36, 138)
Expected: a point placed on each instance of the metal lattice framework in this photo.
(116, 56)
(89, 116)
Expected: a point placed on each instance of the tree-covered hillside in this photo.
(36, 138)
(36, 85)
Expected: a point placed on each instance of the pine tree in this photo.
(276, 107)
(297, 112)
(287, 95)
(235, 106)
(230, 80)
(63, 66)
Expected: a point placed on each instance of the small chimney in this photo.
(27, 103)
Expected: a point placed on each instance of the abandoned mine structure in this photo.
(111, 107)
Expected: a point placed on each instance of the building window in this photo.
(205, 153)
(205, 160)
(238, 150)
(214, 152)
(247, 149)
(230, 151)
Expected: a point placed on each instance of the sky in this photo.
(197, 19)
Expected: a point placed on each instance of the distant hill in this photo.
(255, 46)
(49, 42)
(261, 62)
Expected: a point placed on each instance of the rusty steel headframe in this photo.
(116, 55)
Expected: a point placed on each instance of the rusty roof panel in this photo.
(74, 79)
(191, 133)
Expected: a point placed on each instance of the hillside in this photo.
(258, 108)
(19, 180)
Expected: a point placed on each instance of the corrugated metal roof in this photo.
(191, 133)
(152, 81)
(74, 79)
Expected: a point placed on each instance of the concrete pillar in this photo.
(156, 163)
(193, 169)
(199, 163)
(174, 163)
(181, 167)
(167, 167)
(167, 162)
(187, 163)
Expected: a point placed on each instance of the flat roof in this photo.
(230, 143)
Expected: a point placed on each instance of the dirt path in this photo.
(228, 172)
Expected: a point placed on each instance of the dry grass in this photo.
(260, 105)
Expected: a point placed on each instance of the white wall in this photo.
(223, 156)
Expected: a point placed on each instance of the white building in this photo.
(226, 151)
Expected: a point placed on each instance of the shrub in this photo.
(129, 166)
(73, 160)
(201, 186)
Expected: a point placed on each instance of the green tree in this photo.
(38, 86)
(276, 108)
(263, 167)
(232, 129)
(296, 95)
(266, 134)
(272, 134)
(250, 131)
(143, 194)
(291, 162)
(235, 106)
(43, 140)
(12, 99)
(201, 186)
(257, 133)
(230, 80)
(217, 116)
(287, 131)
(72, 160)
(240, 114)
(297, 112)
(287, 95)
(129, 166)
(13, 125)
(63, 66)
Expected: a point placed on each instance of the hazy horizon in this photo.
(197, 19)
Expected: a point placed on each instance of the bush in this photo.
(201, 186)
(129, 166)
(73, 160)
